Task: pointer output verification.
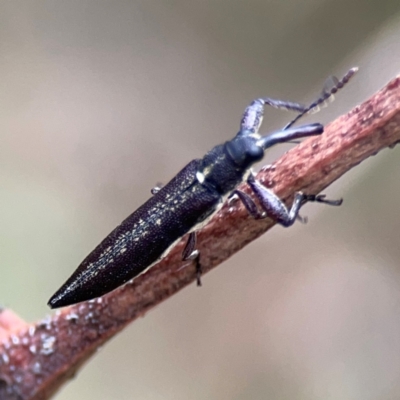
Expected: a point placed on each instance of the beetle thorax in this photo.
(225, 166)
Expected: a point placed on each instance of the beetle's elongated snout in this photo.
(287, 135)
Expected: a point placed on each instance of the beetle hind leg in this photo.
(190, 253)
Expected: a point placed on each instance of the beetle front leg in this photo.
(277, 210)
(253, 210)
(190, 253)
(274, 206)
(253, 115)
(249, 205)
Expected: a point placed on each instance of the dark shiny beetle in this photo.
(189, 200)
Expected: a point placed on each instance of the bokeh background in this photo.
(100, 100)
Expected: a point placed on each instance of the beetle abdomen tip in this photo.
(58, 300)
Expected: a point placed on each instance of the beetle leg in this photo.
(252, 116)
(252, 209)
(301, 219)
(250, 206)
(274, 206)
(189, 247)
(321, 198)
(277, 210)
(156, 188)
(190, 253)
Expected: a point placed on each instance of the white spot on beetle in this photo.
(200, 177)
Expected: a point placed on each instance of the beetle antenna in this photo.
(331, 87)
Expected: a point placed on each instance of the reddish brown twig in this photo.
(39, 358)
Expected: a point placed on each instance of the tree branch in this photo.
(35, 360)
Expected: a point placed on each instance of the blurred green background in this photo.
(100, 100)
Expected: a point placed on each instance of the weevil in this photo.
(190, 199)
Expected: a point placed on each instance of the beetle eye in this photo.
(244, 151)
(254, 152)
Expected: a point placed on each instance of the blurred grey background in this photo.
(100, 100)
